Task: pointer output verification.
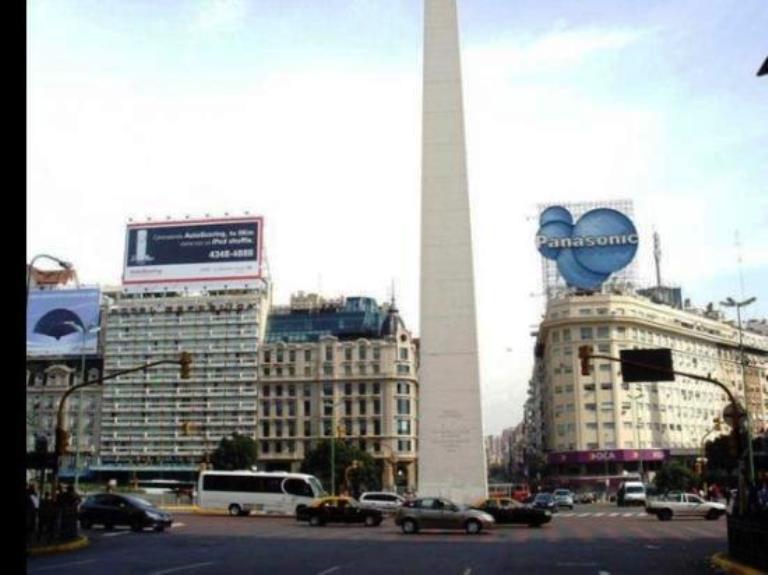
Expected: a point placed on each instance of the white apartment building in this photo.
(598, 419)
(348, 364)
(154, 417)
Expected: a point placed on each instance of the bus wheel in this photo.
(234, 510)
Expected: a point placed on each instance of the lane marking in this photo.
(59, 565)
(603, 573)
(567, 515)
(584, 514)
(614, 514)
(599, 514)
(652, 547)
(628, 515)
(116, 533)
(177, 524)
(468, 571)
(182, 568)
(641, 515)
(331, 570)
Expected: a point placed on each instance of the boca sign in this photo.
(601, 242)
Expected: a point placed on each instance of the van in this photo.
(631, 493)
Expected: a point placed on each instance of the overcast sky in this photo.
(308, 112)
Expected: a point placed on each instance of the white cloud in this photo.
(218, 15)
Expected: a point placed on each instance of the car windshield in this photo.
(139, 502)
(635, 489)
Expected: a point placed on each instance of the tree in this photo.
(365, 476)
(237, 452)
(674, 476)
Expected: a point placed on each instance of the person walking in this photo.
(33, 503)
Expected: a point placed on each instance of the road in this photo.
(598, 541)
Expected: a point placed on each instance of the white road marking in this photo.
(60, 565)
(584, 514)
(628, 515)
(177, 524)
(468, 571)
(331, 570)
(567, 515)
(116, 533)
(599, 514)
(641, 514)
(614, 514)
(603, 573)
(181, 568)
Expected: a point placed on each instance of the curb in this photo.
(728, 565)
(79, 543)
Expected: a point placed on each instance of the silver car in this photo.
(684, 505)
(381, 500)
(438, 513)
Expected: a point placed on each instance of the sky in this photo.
(308, 113)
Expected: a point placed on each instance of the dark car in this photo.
(339, 510)
(507, 511)
(110, 509)
(545, 501)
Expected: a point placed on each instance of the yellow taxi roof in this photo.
(332, 499)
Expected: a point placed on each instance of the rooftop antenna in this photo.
(739, 261)
(392, 298)
(657, 256)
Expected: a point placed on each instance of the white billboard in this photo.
(220, 250)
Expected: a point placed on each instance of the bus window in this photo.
(297, 487)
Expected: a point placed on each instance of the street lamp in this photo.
(63, 263)
(85, 331)
(730, 302)
(329, 401)
(634, 399)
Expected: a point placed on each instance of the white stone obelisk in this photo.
(451, 448)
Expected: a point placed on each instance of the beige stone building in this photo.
(348, 364)
(598, 423)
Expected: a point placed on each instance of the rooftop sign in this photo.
(601, 242)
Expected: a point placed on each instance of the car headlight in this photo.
(154, 515)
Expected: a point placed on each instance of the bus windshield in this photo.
(317, 487)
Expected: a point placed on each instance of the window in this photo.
(267, 356)
(307, 391)
(590, 407)
(376, 406)
(326, 427)
(362, 406)
(361, 388)
(589, 387)
(362, 424)
(327, 370)
(347, 354)
(567, 334)
(307, 355)
(377, 427)
(265, 391)
(292, 355)
(327, 388)
(585, 333)
(403, 445)
(403, 426)
(362, 352)
(307, 408)
(376, 388)
(403, 406)
(348, 407)
(348, 427)
(265, 408)
(265, 428)
(327, 408)
(328, 353)
(291, 409)
(278, 408)
(279, 390)
(347, 389)
(403, 369)
(376, 353)
(291, 390)
(404, 354)
(298, 487)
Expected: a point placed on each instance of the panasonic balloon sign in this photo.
(601, 242)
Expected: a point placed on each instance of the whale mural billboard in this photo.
(601, 242)
(61, 322)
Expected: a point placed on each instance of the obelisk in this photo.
(451, 449)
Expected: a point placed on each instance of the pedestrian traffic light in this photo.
(585, 352)
(185, 361)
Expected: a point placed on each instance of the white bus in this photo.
(241, 492)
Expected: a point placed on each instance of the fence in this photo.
(51, 523)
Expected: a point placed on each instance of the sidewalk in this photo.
(722, 561)
(79, 543)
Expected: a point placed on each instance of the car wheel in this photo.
(473, 527)
(713, 515)
(315, 521)
(235, 510)
(370, 521)
(159, 527)
(665, 515)
(85, 524)
(299, 510)
(410, 527)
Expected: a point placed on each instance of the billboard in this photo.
(601, 242)
(210, 250)
(61, 322)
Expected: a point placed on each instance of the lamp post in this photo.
(85, 331)
(63, 263)
(634, 399)
(730, 302)
(329, 401)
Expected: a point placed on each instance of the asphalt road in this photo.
(598, 541)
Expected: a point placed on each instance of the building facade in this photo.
(153, 419)
(597, 425)
(347, 368)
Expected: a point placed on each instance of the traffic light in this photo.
(185, 361)
(585, 351)
(62, 441)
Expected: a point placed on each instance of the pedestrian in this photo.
(33, 502)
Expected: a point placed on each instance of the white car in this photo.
(381, 500)
(563, 498)
(684, 505)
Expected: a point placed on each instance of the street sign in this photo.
(646, 365)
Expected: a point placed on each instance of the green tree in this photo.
(365, 476)
(236, 452)
(674, 476)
